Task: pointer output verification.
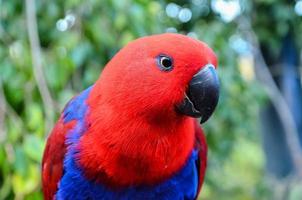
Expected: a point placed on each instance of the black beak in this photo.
(202, 94)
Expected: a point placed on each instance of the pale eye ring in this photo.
(165, 63)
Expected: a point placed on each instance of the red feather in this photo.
(201, 146)
(52, 163)
(134, 135)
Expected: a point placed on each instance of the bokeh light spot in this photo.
(62, 25)
(298, 8)
(172, 10)
(228, 10)
(185, 15)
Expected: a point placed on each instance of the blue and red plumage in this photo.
(123, 138)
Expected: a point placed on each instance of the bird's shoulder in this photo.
(202, 149)
(71, 118)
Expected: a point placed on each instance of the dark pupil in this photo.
(166, 62)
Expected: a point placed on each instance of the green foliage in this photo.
(273, 21)
(77, 39)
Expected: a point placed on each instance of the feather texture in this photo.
(73, 184)
(122, 137)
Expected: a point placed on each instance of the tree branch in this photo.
(34, 40)
(276, 97)
(2, 114)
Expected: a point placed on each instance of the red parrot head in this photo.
(168, 75)
(138, 129)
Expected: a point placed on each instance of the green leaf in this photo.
(33, 147)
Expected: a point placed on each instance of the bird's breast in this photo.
(123, 159)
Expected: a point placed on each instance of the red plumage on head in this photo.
(134, 134)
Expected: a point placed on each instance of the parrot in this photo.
(135, 134)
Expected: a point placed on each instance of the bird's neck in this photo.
(123, 150)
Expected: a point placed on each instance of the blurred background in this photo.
(51, 50)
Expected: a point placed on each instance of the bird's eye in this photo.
(165, 63)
